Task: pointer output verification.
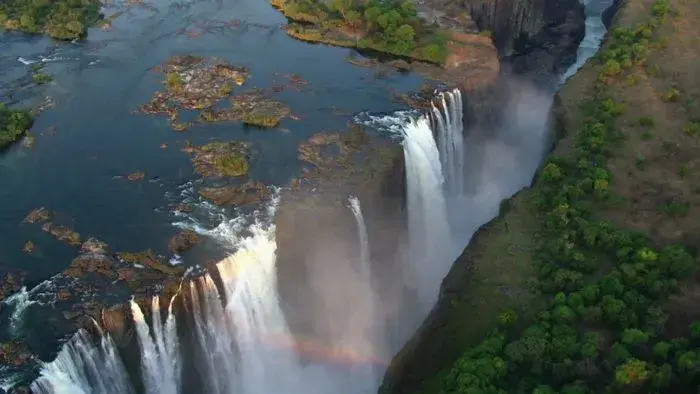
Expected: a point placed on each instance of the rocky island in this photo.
(13, 125)
(62, 20)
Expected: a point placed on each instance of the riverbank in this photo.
(457, 55)
(595, 300)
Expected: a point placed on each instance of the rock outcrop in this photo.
(511, 21)
(317, 235)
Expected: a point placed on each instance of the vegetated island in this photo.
(13, 125)
(59, 19)
(388, 26)
(587, 282)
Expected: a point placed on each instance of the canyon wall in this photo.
(494, 270)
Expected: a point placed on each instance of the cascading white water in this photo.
(81, 367)
(20, 301)
(365, 264)
(428, 226)
(449, 129)
(241, 340)
(159, 357)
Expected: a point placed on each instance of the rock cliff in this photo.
(493, 271)
(317, 234)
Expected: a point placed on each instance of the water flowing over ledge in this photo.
(230, 327)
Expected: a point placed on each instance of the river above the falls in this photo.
(91, 140)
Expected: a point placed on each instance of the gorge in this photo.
(316, 285)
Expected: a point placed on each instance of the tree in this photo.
(508, 318)
(389, 21)
(353, 18)
(371, 15)
(408, 9)
(405, 33)
(342, 7)
(633, 372)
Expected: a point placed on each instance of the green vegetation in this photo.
(41, 78)
(13, 125)
(231, 165)
(60, 19)
(174, 81)
(605, 329)
(390, 26)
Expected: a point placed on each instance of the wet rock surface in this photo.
(183, 241)
(315, 211)
(10, 282)
(14, 354)
(250, 192)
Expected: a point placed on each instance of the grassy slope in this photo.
(656, 172)
(653, 171)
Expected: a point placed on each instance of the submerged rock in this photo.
(38, 215)
(28, 247)
(183, 241)
(136, 176)
(62, 233)
(10, 282)
(14, 353)
(247, 193)
(219, 159)
(94, 245)
(149, 259)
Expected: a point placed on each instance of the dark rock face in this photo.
(317, 234)
(552, 50)
(539, 36)
(511, 21)
(610, 12)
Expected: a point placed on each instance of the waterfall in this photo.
(448, 127)
(84, 368)
(428, 229)
(365, 268)
(434, 151)
(240, 340)
(159, 365)
(251, 317)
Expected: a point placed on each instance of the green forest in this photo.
(604, 328)
(60, 19)
(390, 26)
(13, 125)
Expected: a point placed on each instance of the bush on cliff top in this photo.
(13, 125)
(604, 328)
(60, 19)
(390, 26)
